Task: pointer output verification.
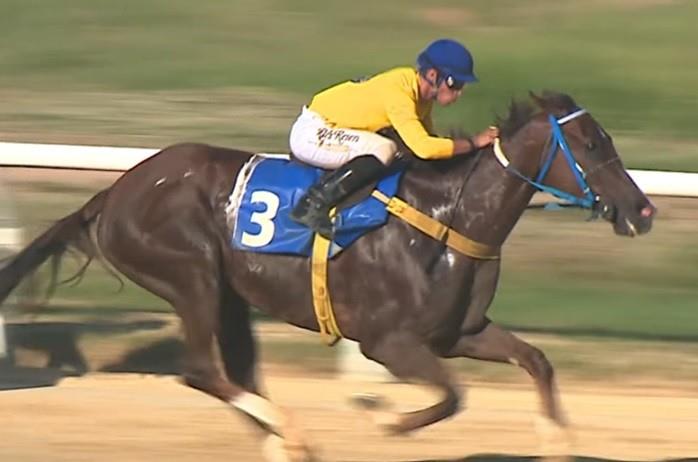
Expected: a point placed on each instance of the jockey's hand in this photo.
(485, 138)
(468, 145)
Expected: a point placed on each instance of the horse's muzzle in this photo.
(634, 223)
(630, 222)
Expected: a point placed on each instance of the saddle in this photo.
(268, 188)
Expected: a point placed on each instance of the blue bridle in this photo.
(557, 143)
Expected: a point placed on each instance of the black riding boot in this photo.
(313, 209)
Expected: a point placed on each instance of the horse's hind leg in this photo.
(407, 357)
(237, 343)
(189, 281)
(494, 343)
(238, 349)
(189, 277)
(283, 442)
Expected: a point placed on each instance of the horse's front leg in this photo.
(493, 343)
(407, 357)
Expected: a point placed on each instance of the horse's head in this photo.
(577, 161)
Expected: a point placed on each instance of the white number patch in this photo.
(263, 219)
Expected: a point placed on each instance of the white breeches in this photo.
(317, 143)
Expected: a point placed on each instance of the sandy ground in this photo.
(128, 417)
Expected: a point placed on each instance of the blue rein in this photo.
(559, 143)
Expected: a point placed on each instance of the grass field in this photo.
(156, 72)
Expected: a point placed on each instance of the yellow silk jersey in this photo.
(390, 98)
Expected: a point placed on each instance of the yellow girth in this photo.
(321, 295)
(437, 230)
(401, 209)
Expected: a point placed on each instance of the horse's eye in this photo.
(591, 146)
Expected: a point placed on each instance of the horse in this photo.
(407, 299)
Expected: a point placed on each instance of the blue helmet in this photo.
(452, 61)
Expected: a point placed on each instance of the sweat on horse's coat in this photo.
(406, 298)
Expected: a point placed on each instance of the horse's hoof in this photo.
(556, 440)
(300, 453)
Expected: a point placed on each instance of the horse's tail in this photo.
(70, 230)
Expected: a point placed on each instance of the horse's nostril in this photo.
(647, 212)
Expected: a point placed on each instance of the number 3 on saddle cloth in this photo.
(266, 190)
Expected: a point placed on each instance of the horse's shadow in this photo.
(59, 343)
(159, 357)
(19, 378)
(512, 458)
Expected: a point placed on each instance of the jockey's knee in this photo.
(385, 152)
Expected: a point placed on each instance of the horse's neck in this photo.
(433, 189)
(484, 204)
(493, 202)
(498, 198)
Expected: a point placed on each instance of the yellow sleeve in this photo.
(428, 124)
(402, 113)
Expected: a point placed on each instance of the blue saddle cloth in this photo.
(274, 186)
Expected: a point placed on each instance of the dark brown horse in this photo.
(406, 298)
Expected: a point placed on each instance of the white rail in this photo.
(654, 183)
(71, 157)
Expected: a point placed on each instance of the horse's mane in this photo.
(520, 112)
(443, 165)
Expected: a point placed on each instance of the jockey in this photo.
(337, 130)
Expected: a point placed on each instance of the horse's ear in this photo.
(540, 102)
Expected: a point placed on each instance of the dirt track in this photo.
(145, 418)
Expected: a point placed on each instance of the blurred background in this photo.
(149, 73)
